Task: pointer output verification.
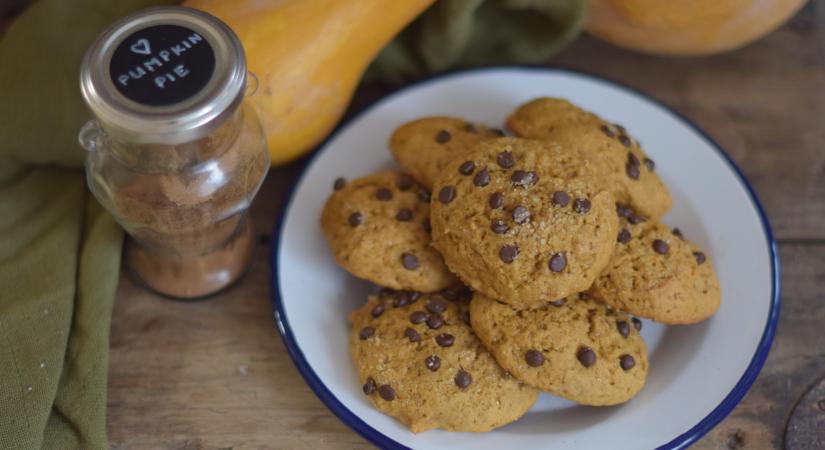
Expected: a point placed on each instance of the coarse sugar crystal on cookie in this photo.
(513, 231)
(419, 361)
(378, 228)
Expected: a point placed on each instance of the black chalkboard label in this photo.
(162, 65)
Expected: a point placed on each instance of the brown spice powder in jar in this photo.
(189, 222)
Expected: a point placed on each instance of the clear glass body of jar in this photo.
(184, 206)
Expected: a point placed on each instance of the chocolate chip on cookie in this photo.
(632, 171)
(586, 356)
(623, 327)
(508, 253)
(369, 386)
(627, 362)
(404, 182)
(581, 205)
(424, 196)
(412, 335)
(404, 298)
(418, 317)
(436, 305)
(534, 358)
(409, 261)
(386, 392)
(366, 333)
(560, 198)
(463, 379)
(427, 226)
(505, 160)
(499, 226)
(496, 200)
(482, 178)
(404, 215)
(383, 194)
(660, 247)
(523, 178)
(446, 194)
(625, 140)
(435, 321)
(633, 159)
(466, 168)
(624, 236)
(445, 340)
(557, 262)
(520, 214)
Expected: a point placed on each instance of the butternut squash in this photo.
(308, 56)
(686, 27)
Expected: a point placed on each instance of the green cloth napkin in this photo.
(60, 251)
(471, 33)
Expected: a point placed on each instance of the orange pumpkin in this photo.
(686, 27)
(308, 56)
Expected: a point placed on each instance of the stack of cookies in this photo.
(511, 265)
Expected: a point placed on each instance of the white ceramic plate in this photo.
(697, 373)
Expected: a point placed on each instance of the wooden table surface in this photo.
(216, 375)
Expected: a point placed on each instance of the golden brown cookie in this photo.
(511, 230)
(422, 147)
(543, 116)
(420, 362)
(626, 170)
(378, 227)
(576, 348)
(658, 274)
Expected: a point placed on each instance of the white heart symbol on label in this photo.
(141, 46)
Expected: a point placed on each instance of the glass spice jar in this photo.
(175, 154)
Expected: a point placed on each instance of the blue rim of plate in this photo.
(382, 441)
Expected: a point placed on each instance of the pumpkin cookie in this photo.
(574, 347)
(625, 168)
(420, 362)
(378, 227)
(511, 230)
(424, 146)
(657, 273)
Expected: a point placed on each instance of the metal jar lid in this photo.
(165, 75)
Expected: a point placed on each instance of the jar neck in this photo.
(158, 158)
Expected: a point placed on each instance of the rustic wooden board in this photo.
(215, 374)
